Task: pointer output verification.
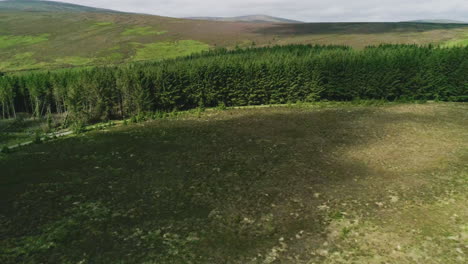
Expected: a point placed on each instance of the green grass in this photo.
(462, 41)
(22, 61)
(103, 24)
(14, 41)
(168, 50)
(23, 56)
(142, 31)
(21, 130)
(101, 27)
(110, 58)
(311, 183)
(25, 128)
(76, 61)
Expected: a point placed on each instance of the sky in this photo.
(303, 10)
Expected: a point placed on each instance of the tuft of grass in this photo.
(345, 231)
(168, 50)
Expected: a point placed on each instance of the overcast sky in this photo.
(304, 10)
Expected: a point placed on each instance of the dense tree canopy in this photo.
(242, 77)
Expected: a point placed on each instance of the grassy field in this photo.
(25, 128)
(320, 183)
(17, 131)
(62, 39)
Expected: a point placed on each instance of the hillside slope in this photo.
(439, 21)
(47, 6)
(249, 18)
(69, 35)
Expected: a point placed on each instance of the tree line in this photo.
(253, 76)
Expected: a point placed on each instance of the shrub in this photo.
(78, 127)
(5, 150)
(222, 106)
(37, 138)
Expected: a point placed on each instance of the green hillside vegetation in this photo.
(168, 50)
(15, 41)
(103, 24)
(461, 41)
(274, 75)
(142, 31)
(249, 18)
(54, 34)
(74, 61)
(440, 21)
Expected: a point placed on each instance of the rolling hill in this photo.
(249, 18)
(48, 6)
(45, 35)
(439, 21)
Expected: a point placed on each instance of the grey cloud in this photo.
(311, 10)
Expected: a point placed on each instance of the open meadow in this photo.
(307, 183)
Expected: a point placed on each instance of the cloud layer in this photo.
(305, 10)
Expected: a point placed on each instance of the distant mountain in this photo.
(249, 18)
(48, 6)
(438, 21)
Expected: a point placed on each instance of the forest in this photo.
(255, 76)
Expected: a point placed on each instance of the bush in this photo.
(5, 150)
(78, 127)
(37, 138)
(222, 106)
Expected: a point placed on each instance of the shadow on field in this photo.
(220, 188)
(354, 28)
